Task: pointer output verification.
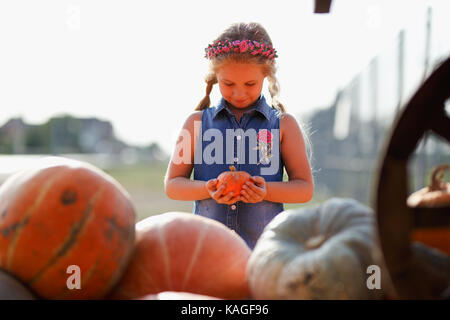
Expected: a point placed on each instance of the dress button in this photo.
(233, 207)
(236, 159)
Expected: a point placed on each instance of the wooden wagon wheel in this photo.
(416, 271)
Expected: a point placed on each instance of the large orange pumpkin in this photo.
(62, 213)
(234, 180)
(178, 251)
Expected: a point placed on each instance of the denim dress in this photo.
(251, 145)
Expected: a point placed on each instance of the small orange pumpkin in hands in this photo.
(234, 180)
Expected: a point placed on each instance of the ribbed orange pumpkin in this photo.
(61, 213)
(438, 238)
(178, 251)
(233, 179)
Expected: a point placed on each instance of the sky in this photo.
(140, 64)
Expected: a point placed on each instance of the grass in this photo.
(145, 184)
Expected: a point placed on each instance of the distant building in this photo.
(12, 136)
(69, 135)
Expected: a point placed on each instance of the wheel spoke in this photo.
(441, 127)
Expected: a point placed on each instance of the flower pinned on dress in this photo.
(240, 46)
(264, 141)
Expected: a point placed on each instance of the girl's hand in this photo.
(254, 192)
(216, 194)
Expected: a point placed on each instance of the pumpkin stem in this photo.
(436, 176)
(232, 168)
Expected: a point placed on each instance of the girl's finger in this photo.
(227, 197)
(244, 198)
(234, 199)
(247, 200)
(211, 187)
(225, 201)
(217, 194)
(246, 194)
(252, 189)
(251, 196)
(259, 181)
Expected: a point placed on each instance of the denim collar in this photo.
(261, 106)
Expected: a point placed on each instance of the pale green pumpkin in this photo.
(320, 252)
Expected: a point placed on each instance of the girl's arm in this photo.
(177, 183)
(300, 187)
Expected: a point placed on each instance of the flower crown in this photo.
(240, 46)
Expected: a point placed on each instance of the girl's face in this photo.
(240, 83)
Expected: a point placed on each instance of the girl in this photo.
(213, 138)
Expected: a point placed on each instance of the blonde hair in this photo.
(239, 31)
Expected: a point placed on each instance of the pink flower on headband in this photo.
(243, 46)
